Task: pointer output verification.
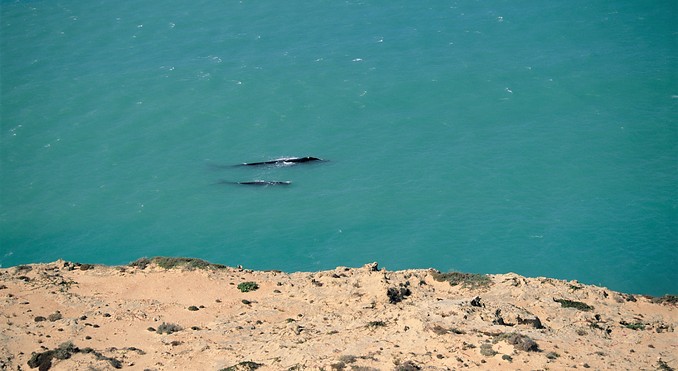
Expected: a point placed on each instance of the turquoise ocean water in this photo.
(483, 136)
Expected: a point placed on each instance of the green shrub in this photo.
(633, 326)
(248, 286)
(573, 304)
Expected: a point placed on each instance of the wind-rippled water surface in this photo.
(477, 136)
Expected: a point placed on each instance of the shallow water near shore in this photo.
(474, 136)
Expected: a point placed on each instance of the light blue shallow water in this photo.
(487, 136)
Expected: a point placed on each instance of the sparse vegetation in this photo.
(666, 299)
(248, 286)
(407, 366)
(43, 360)
(573, 304)
(468, 280)
(22, 268)
(175, 262)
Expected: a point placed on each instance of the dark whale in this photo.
(266, 182)
(260, 182)
(283, 161)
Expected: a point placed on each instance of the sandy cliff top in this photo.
(65, 316)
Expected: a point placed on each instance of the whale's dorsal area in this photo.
(283, 161)
(259, 182)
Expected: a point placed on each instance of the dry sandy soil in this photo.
(68, 316)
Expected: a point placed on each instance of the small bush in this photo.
(248, 286)
(573, 304)
(348, 359)
(374, 324)
(633, 326)
(552, 355)
(243, 366)
(141, 263)
(487, 351)
(396, 295)
(664, 366)
(468, 280)
(54, 317)
(439, 330)
(520, 342)
(86, 267)
(168, 328)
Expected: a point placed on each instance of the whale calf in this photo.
(283, 161)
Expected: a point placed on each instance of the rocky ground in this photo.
(190, 315)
